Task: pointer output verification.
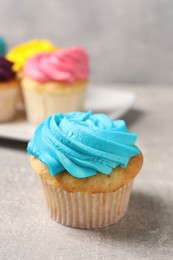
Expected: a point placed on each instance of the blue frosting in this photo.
(3, 46)
(83, 144)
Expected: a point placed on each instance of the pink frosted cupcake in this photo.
(55, 82)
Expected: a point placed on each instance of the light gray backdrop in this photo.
(130, 41)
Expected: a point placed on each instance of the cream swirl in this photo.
(22, 52)
(65, 65)
(83, 144)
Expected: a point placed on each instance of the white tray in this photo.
(111, 101)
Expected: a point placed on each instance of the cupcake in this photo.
(9, 90)
(3, 46)
(87, 164)
(22, 52)
(55, 82)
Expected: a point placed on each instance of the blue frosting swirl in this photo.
(83, 144)
(3, 46)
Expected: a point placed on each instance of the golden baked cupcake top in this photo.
(94, 184)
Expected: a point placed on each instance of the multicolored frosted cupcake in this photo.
(87, 164)
(22, 52)
(9, 90)
(55, 82)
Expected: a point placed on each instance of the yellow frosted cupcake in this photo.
(55, 82)
(9, 90)
(87, 164)
(22, 52)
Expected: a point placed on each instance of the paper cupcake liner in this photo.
(83, 210)
(20, 100)
(8, 101)
(40, 105)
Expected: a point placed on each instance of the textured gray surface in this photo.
(129, 40)
(146, 232)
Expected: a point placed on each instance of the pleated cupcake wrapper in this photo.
(8, 101)
(83, 210)
(20, 100)
(40, 105)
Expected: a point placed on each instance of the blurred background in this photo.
(129, 41)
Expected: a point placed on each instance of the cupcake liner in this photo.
(84, 210)
(40, 105)
(20, 100)
(8, 101)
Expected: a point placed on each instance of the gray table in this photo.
(146, 232)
